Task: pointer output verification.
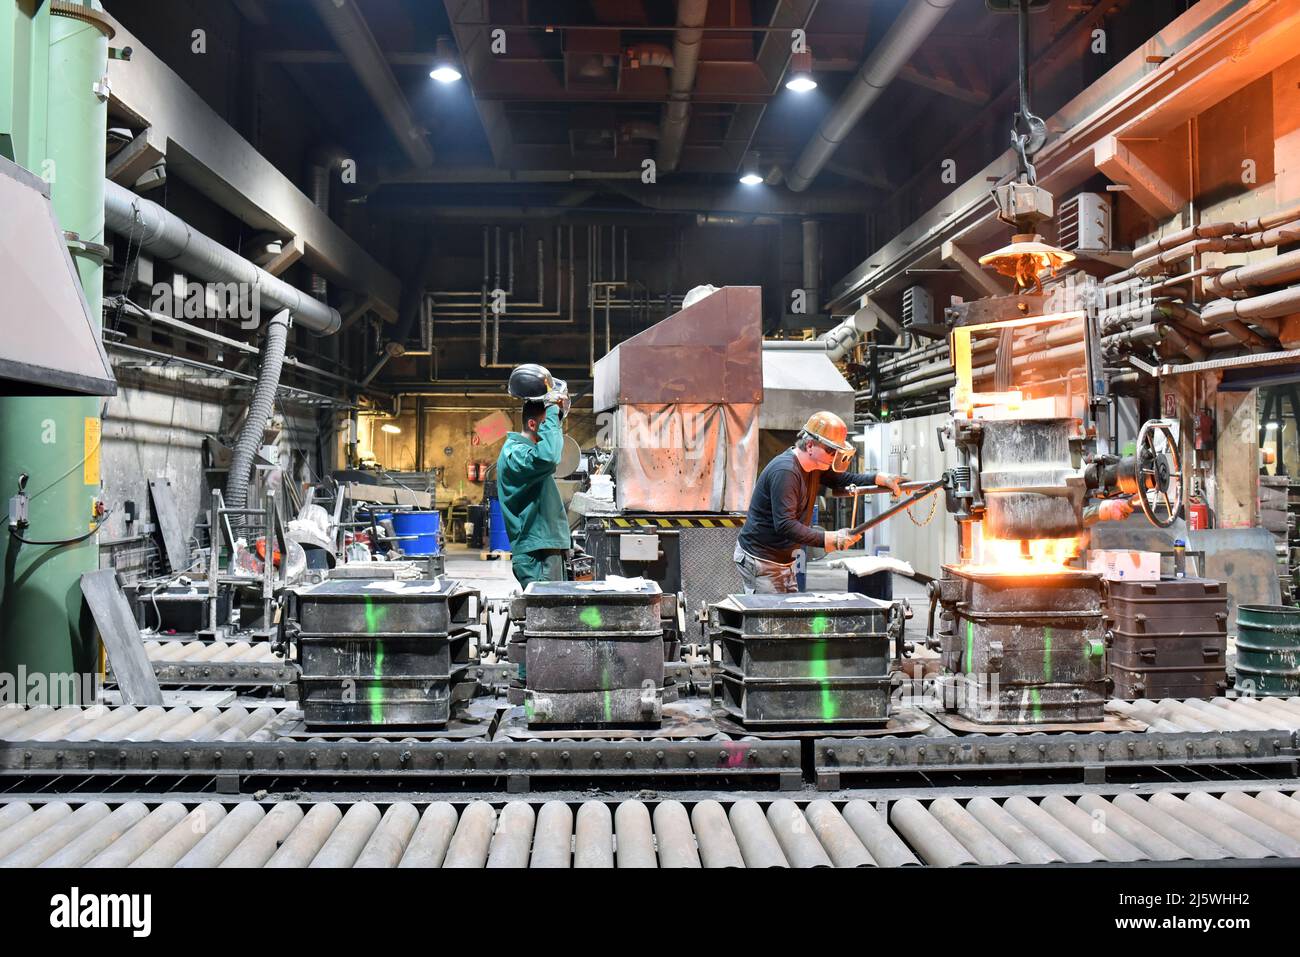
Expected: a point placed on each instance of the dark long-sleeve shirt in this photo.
(779, 512)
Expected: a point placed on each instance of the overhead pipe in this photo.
(812, 262)
(686, 56)
(909, 29)
(347, 26)
(169, 238)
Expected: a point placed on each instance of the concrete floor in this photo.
(494, 579)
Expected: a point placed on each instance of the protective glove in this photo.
(892, 482)
(1114, 510)
(841, 539)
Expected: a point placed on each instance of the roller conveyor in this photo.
(235, 747)
(1259, 824)
(228, 664)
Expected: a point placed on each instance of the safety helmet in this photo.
(532, 382)
(830, 431)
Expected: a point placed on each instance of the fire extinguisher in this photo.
(471, 471)
(1198, 515)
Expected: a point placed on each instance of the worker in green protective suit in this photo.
(536, 522)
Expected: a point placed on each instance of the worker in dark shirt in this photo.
(779, 513)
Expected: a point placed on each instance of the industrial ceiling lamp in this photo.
(446, 65)
(801, 78)
(390, 428)
(1022, 204)
(749, 174)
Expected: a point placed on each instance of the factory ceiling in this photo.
(592, 88)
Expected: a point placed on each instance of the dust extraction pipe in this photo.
(259, 410)
(170, 238)
(913, 25)
(686, 56)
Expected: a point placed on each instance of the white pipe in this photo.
(169, 238)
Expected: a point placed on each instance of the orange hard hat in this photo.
(829, 429)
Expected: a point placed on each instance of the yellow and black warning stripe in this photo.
(674, 521)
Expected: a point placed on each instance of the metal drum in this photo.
(1268, 650)
(1030, 485)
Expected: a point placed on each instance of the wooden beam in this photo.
(950, 252)
(290, 253)
(944, 85)
(135, 158)
(1147, 176)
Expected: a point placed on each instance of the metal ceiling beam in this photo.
(347, 26)
(206, 152)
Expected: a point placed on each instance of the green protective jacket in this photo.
(530, 501)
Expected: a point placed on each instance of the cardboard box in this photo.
(1125, 565)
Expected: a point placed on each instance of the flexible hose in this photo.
(259, 410)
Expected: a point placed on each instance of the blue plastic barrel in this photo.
(498, 540)
(424, 525)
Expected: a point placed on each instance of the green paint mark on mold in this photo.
(1047, 654)
(820, 670)
(590, 616)
(970, 646)
(375, 615)
(1037, 702)
(376, 691)
(819, 624)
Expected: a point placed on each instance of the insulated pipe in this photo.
(908, 31)
(1273, 305)
(169, 238)
(1281, 269)
(259, 410)
(812, 257)
(347, 26)
(686, 56)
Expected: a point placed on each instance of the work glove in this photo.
(559, 396)
(1114, 510)
(839, 540)
(892, 482)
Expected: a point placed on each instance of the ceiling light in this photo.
(751, 179)
(801, 78)
(446, 66)
(749, 174)
(1271, 426)
(390, 428)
